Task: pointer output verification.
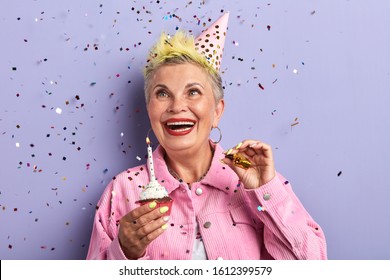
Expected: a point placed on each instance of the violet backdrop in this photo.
(311, 78)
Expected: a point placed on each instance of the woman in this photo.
(220, 210)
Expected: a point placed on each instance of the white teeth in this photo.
(180, 123)
(183, 129)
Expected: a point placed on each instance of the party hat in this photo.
(211, 42)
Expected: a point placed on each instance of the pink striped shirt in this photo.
(235, 223)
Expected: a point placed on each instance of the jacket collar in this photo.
(219, 176)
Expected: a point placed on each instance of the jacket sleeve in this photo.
(104, 243)
(289, 231)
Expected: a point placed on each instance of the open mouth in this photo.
(180, 126)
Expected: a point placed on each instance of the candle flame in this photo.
(147, 140)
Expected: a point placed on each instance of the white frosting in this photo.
(153, 190)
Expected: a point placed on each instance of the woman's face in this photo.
(182, 108)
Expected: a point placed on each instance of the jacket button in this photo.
(267, 196)
(199, 191)
(207, 225)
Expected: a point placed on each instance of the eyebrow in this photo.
(187, 85)
(194, 84)
(160, 85)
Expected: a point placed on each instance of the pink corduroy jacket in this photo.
(235, 223)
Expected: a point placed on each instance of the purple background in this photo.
(324, 64)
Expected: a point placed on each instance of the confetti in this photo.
(259, 208)
(17, 145)
(295, 71)
(59, 111)
(295, 122)
(138, 158)
(339, 174)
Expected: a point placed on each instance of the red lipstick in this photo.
(179, 126)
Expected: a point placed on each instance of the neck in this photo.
(190, 166)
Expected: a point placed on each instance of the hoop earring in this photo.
(220, 135)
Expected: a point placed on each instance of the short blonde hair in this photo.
(179, 49)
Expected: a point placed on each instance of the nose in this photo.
(177, 105)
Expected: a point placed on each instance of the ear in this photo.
(219, 108)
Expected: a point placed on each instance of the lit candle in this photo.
(150, 161)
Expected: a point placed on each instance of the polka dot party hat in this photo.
(211, 42)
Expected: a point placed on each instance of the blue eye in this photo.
(194, 92)
(162, 93)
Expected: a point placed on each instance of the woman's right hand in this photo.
(140, 227)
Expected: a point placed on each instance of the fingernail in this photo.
(152, 204)
(229, 151)
(164, 226)
(239, 145)
(166, 218)
(164, 209)
(252, 145)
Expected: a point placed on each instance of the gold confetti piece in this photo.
(295, 122)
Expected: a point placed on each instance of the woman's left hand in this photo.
(262, 168)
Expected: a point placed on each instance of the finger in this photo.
(132, 218)
(134, 242)
(151, 231)
(238, 170)
(249, 144)
(139, 211)
(254, 147)
(263, 149)
(242, 146)
(149, 217)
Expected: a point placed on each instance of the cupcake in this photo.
(156, 192)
